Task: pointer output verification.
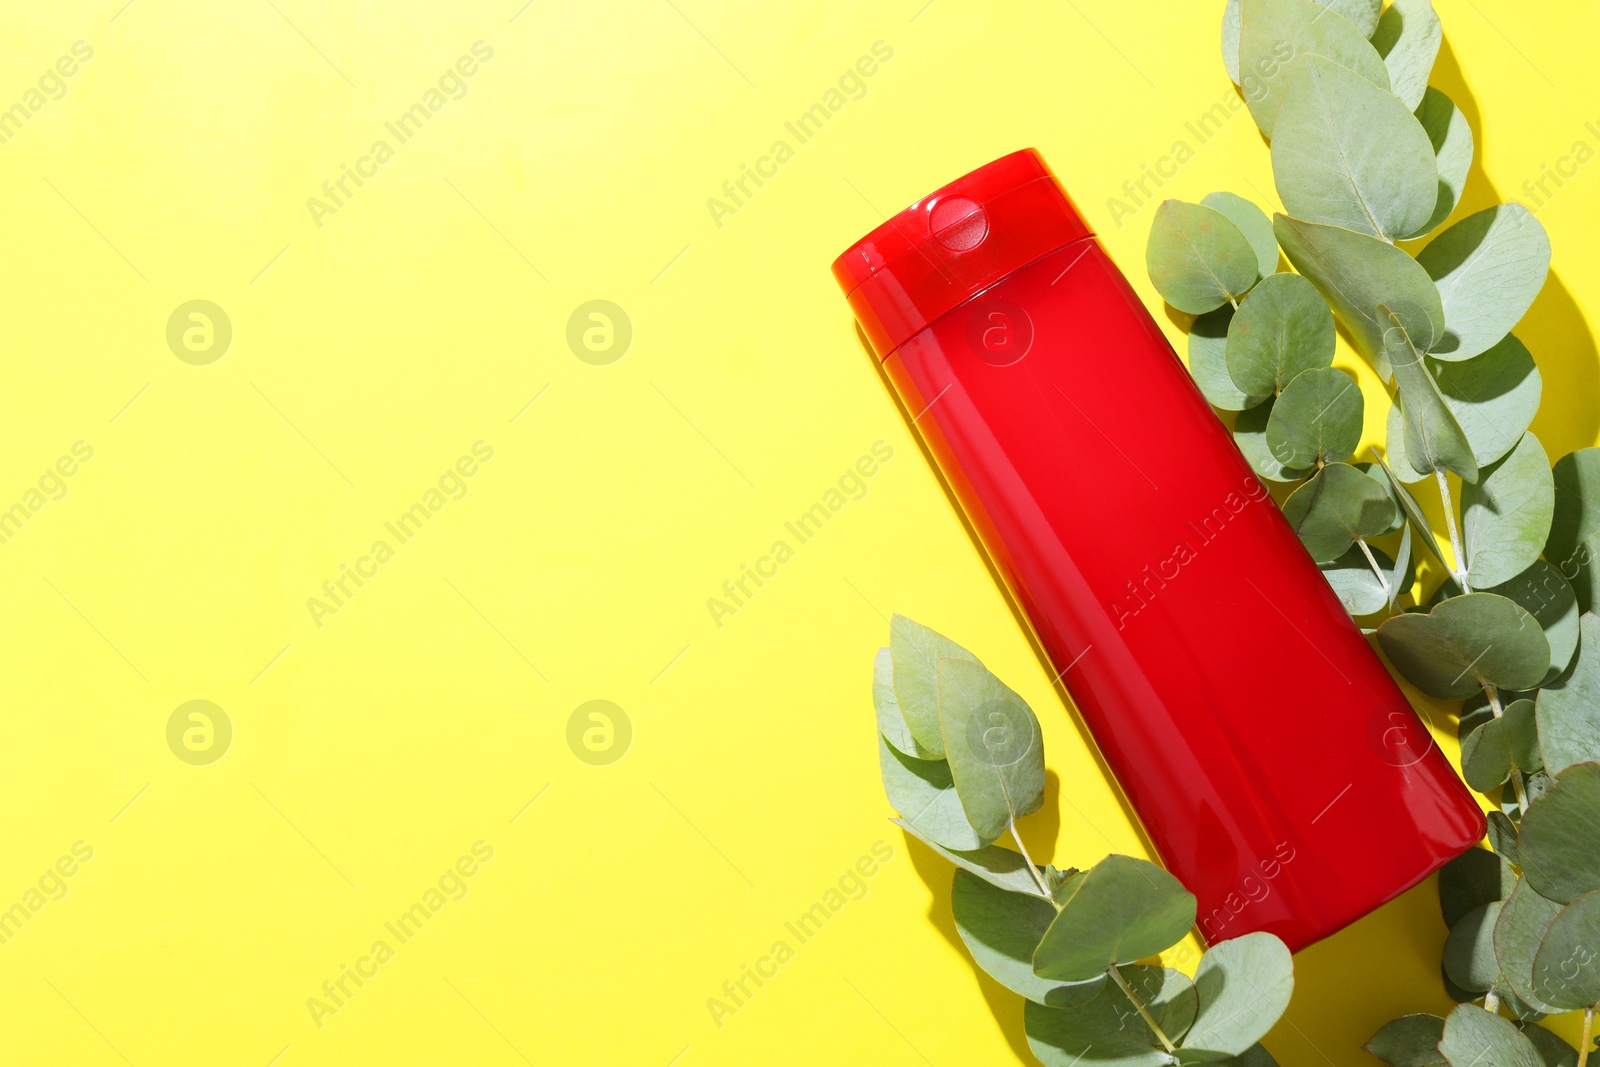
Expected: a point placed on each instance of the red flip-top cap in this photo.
(952, 245)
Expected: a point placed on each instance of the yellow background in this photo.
(370, 353)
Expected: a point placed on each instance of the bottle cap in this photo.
(955, 243)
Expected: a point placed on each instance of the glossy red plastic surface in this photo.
(1275, 765)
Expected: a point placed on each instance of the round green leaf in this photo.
(1522, 733)
(1230, 40)
(993, 744)
(1557, 851)
(1477, 1038)
(1358, 588)
(1568, 708)
(1363, 14)
(914, 654)
(1122, 909)
(1471, 880)
(1502, 834)
(1488, 267)
(1575, 525)
(1110, 1025)
(1493, 396)
(1338, 505)
(1486, 757)
(1208, 362)
(1408, 38)
(1355, 272)
(1317, 419)
(1451, 137)
(1518, 933)
(1001, 867)
(1001, 930)
(1347, 153)
(1198, 259)
(1433, 438)
(1275, 34)
(1556, 1052)
(1548, 597)
(1243, 986)
(1466, 643)
(1409, 1041)
(891, 724)
(1469, 950)
(924, 794)
(1397, 516)
(1283, 327)
(1505, 515)
(1250, 434)
(1566, 971)
(1252, 222)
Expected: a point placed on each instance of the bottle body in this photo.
(1257, 736)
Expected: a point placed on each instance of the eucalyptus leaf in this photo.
(1408, 38)
(1413, 510)
(1347, 153)
(1434, 440)
(1467, 643)
(1469, 950)
(1471, 880)
(924, 794)
(1250, 434)
(1409, 1041)
(1208, 361)
(1505, 515)
(891, 724)
(1522, 734)
(1566, 971)
(1403, 576)
(1001, 930)
(1121, 910)
(1357, 587)
(1568, 709)
(1489, 267)
(1363, 14)
(1275, 34)
(1557, 852)
(1556, 1052)
(915, 652)
(1198, 259)
(1518, 933)
(1254, 1056)
(1397, 513)
(1575, 526)
(1486, 757)
(1110, 1025)
(994, 746)
(1451, 136)
(1252, 222)
(1316, 420)
(1502, 834)
(1356, 272)
(1230, 40)
(1477, 1038)
(1243, 986)
(1336, 507)
(1493, 396)
(998, 866)
(1283, 327)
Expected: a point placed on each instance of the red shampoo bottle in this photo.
(1274, 764)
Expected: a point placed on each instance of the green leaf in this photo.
(1230, 40)
(1347, 153)
(998, 866)
(1338, 505)
(1477, 1038)
(924, 794)
(1356, 272)
(1317, 419)
(1489, 268)
(1575, 526)
(1283, 327)
(1397, 513)
(1469, 950)
(1518, 933)
(1122, 909)
(1363, 14)
(1557, 851)
(1243, 986)
(1493, 397)
(1486, 757)
(1208, 362)
(994, 746)
(1001, 930)
(1110, 1025)
(1556, 1052)
(915, 652)
(1566, 972)
(1568, 710)
(1357, 587)
(1471, 880)
(1467, 643)
(1254, 1056)
(1522, 733)
(1433, 438)
(1505, 515)
(1198, 259)
(1409, 1041)
(1451, 137)
(1274, 34)
(1252, 222)
(1408, 38)
(1250, 434)
(891, 724)
(1502, 834)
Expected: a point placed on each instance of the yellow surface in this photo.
(374, 751)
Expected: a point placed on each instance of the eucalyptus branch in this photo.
(1144, 1012)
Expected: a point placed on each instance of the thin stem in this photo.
(1044, 890)
(1455, 535)
(1588, 1035)
(1493, 693)
(1144, 1012)
(1383, 579)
